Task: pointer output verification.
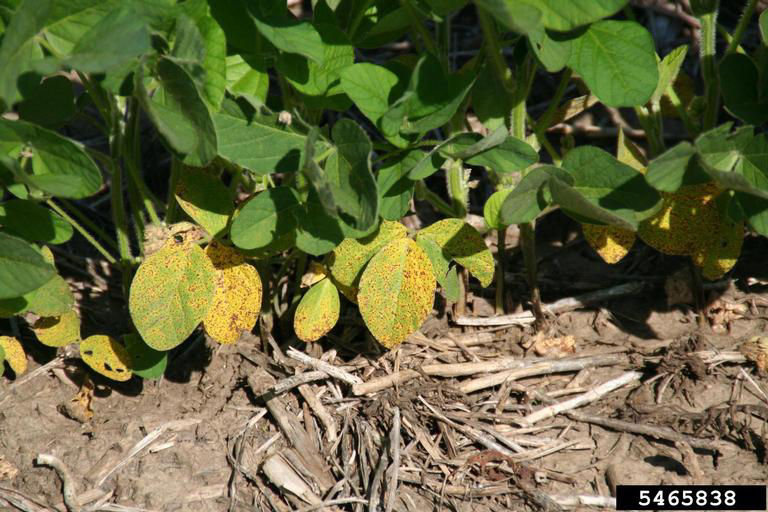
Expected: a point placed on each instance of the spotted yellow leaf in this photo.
(397, 291)
(171, 293)
(612, 243)
(106, 356)
(14, 354)
(315, 273)
(237, 302)
(348, 259)
(317, 312)
(57, 331)
(464, 244)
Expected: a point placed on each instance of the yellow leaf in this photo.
(610, 242)
(237, 302)
(317, 312)
(347, 261)
(464, 245)
(57, 331)
(316, 273)
(397, 291)
(14, 354)
(107, 357)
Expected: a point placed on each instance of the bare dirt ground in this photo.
(457, 418)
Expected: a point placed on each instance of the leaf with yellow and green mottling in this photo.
(397, 291)
(464, 244)
(612, 243)
(692, 223)
(14, 354)
(348, 259)
(57, 331)
(51, 299)
(2, 361)
(171, 294)
(317, 312)
(237, 302)
(106, 356)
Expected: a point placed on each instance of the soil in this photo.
(209, 433)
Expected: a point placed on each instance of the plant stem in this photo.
(690, 127)
(651, 122)
(501, 253)
(80, 229)
(88, 223)
(172, 206)
(707, 56)
(699, 300)
(419, 27)
(528, 246)
(457, 188)
(130, 157)
(423, 193)
(738, 34)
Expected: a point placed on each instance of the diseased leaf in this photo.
(265, 218)
(617, 61)
(237, 303)
(57, 331)
(146, 362)
(317, 312)
(105, 355)
(171, 294)
(397, 291)
(610, 242)
(14, 354)
(464, 244)
(205, 199)
(22, 267)
(347, 261)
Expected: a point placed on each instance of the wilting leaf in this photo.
(397, 291)
(237, 302)
(171, 294)
(146, 362)
(347, 261)
(317, 312)
(106, 356)
(57, 331)
(14, 354)
(464, 244)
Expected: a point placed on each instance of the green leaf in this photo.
(265, 218)
(617, 61)
(428, 107)
(667, 171)
(369, 86)
(116, 39)
(383, 28)
(257, 143)
(68, 21)
(321, 80)
(201, 48)
(349, 258)
(428, 163)
(443, 7)
(531, 196)
(562, 15)
(719, 149)
(349, 174)
(247, 77)
(491, 101)
(53, 298)
(397, 291)
(763, 22)
(239, 26)
(510, 155)
(492, 209)
(33, 222)
(745, 95)
(51, 103)
(748, 176)
(22, 267)
(317, 312)
(61, 166)
(553, 50)
(287, 33)
(669, 67)
(464, 245)
(604, 190)
(318, 233)
(171, 293)
(395, 188)
(146, 362)
(19, 48)
(181, 115)
(205, 199)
